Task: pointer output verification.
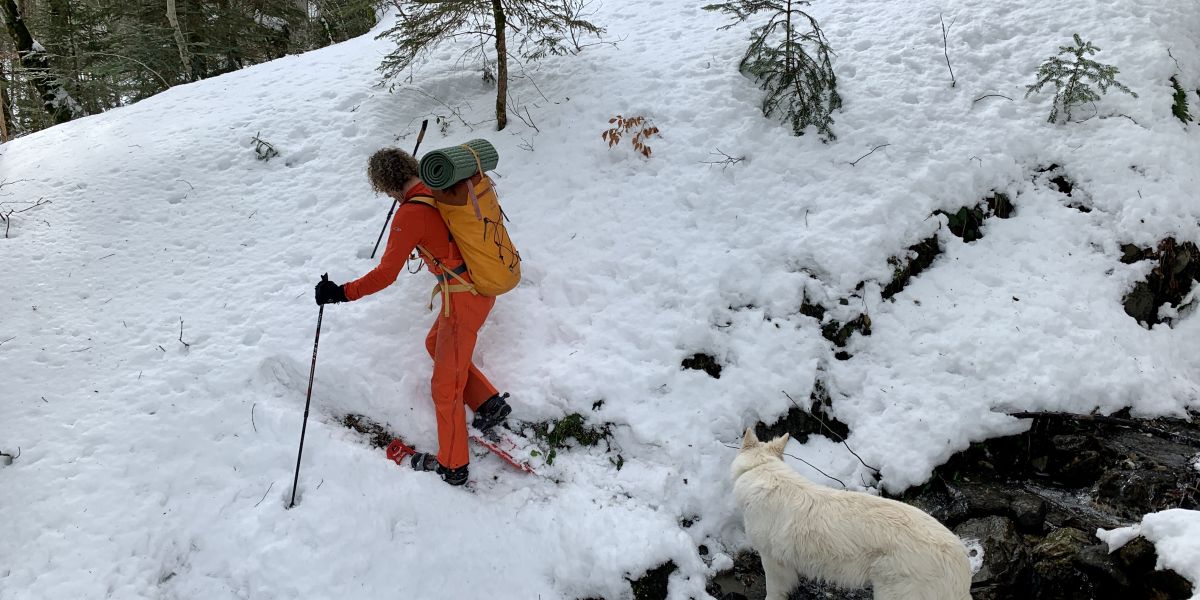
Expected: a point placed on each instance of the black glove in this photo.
(328, 291)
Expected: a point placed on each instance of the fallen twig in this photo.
(1174, 59)
(1123, 115)
(840, 482)
(724, 162)
(7, 182)
(252, 424)
(869, 153)
(264, 497)
(32, 205)
(835, 434)
(992, 96)
(8, 340)
(946, 49)
(187, 345)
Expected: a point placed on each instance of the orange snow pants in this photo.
(456, 380)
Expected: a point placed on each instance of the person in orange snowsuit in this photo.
(451, 341)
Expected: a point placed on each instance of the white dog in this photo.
(845, 538)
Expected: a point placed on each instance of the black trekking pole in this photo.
(311, 372)
(420, 136)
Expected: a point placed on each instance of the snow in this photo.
(1176, 537)
(151, 468)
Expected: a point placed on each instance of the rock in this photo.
(1138, 558)
(942, 501)
(990, 592)
(1140, 303)
(1076, 459)
(984, 500)
(746, 580)
(1138, 555)
(1055, 576)
(1029, 512)
(1133, 493)
(1096, 563)
(1143, 451)
(1005, 557)
(1130, 573)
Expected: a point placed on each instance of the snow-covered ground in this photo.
(154, 469)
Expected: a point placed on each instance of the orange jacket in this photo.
(415, 224)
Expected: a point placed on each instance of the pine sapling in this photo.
(1071, 78)
(789, 57)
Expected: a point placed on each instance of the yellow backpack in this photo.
(473, 215)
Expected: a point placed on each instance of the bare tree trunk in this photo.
(5, 111)
(55, 99)
(501, 67)
(180, 42)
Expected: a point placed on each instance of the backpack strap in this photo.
(426, 200)
(443, 286)
(482, 179)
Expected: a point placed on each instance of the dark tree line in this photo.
(61, 59)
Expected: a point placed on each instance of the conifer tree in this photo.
(55, 98)
(789, 57)
(107, 53)
(1071, 78)
(540, 28)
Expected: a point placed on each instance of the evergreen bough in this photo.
(541, 28)
(790, 62)
(1071, 78)
(1179, 105)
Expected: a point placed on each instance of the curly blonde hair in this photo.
(390, 169)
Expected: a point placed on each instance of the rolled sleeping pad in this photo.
(445, 167)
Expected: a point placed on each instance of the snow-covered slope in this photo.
(154, 469)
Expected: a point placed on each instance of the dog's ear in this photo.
(777, 445)
(749, 440)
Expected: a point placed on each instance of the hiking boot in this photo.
(426, 461)
(491, 412)
(453, 476)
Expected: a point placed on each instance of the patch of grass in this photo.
(557, 434)
(377, 435)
